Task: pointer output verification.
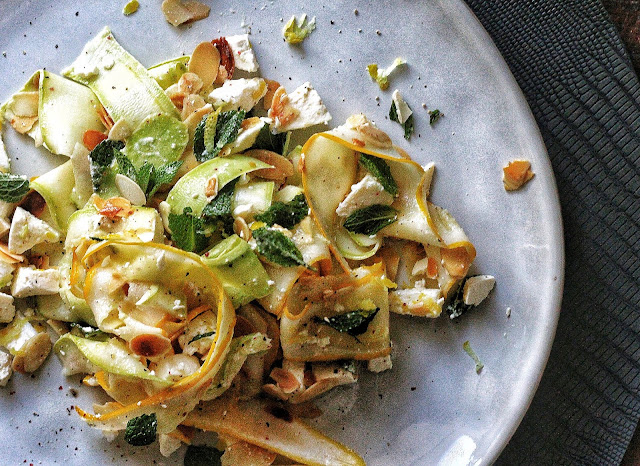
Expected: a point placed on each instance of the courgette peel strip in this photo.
(181, 397)
(331, 158)
(255, 421)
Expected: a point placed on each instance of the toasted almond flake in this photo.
(9, 257)
(192, 120)
(205, 63)
(190, 82)
(179, 12)
(369, 131)
(130, 190)
(190, 104)
(150, 345)
(241, 228)
(211, 188)
(516, 174)
(120, 130)
(113, 207)
(285, 380)
(280, 109)
(282, 167)
(33, 354)
(272, 87)
(106, 120)
(23, 124)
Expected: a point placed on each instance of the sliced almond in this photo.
(120, 130)
(281, 167)
(180, 12)
(23, 124)
(33, 354)
(106, 120)
(272, 87)
(150, 345)
(280, 108)
(369, 132)
(205, 63)
(9, 257)
(130, 190)
(112, 208)
(190, 82)
(241, 228)
(192, 120)
(190, 104)
(211, 188)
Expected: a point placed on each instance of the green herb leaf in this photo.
(159, 176)
(202, 335)
(380, 170)
(13, 188)
(407, 125)
(286, 215)
(353, 323)
(226, 131)
(277, 248)
(268, 141)
(467, 347)
(186, 231)
(371, 219)
(100, 160)
(434, 116)
(456, 306)
(144, 175)
(198, 138)
(382, 76)
(201, 455)
(141, 430)
(221, 204)
(125, 167)
(295, 31)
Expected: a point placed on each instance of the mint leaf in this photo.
(407, 125)
(353, 323)
(286, 215)
(274, 142)
(201, 336)
(277, 248)
(201, 455)
(143, 177)
(125, 167)
(186, 231)
(380, 170)
(100, 160)
(141, 430)
(434, 116)
(221, 204)
(370, 220)
(227, 127)
(13, 188)
(198, 138)
(160, 175)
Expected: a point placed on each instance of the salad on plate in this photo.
(199, 267)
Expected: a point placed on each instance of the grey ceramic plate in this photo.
(432, 406)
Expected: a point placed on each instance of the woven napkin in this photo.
(577, 77)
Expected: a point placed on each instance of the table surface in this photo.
(626, 15)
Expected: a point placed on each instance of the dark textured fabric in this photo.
(568, 59)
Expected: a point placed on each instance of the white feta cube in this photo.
(243, 55)
(29, 281)
(7, 309)
(309, 107)
(368, 191)
(5, 368)
(238, 94)
(477, 288)
(27, 230)
(402, 109)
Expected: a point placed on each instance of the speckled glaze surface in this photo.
(432, 407)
